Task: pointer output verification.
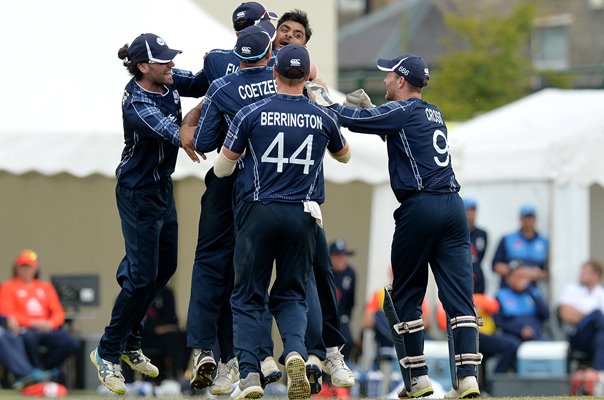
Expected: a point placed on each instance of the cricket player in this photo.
(284, 137)
(431, 228)
(151, 111)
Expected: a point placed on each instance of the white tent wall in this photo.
(544, 149)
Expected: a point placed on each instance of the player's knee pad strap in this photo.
(411, 362)
(468, 359)
(466, 321)
(409, 327)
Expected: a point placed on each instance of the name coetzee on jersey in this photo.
(258, 89)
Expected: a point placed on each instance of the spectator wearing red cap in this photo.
(35, 305)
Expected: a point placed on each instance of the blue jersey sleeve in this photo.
(378, 120)
(189, 84)
(336, 139)
(148, 119)
(209, 133)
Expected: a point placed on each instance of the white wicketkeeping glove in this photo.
(358, 99)
(318, 94)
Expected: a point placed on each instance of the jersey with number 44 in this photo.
(285, 137)
(416, 136)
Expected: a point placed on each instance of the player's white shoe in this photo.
(109, 374)
(226, 376)
(298, 386)
(421, 386)
(466, 389)
(249, 387)
(335, 366)
(270, 371)
(140, 363)
(203, 366)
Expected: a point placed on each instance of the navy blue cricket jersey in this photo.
(220, 62)
(285, 137)
(418, 149)
(151, 130)
(225, 97)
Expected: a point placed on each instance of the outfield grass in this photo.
(83, 395)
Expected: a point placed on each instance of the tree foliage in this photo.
(487, 65)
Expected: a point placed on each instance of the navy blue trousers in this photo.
(432, 229)
(280, 233)
(13, 355)
(59, 342)
(209, 319)
(590, 338)
(323, 317)
(150, 229)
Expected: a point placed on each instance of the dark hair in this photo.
(300, 17)
(132, 67)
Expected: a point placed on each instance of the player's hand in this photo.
(359, 99)
(527, 332)
(318, 93)
(186, 139)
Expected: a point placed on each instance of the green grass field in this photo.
(83, 395)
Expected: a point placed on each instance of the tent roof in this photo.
(62, 108)
(553, 134)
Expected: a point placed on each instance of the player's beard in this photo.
(390, 90)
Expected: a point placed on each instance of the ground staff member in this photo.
(284, 137)
(210, 318)
(151, 112)
(430, 224)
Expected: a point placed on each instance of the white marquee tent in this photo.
(62, 104)
(544, 149)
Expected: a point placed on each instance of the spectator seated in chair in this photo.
(581, 312)
(522, 309)
(13, 357)
(35, 305)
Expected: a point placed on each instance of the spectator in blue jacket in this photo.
(525, 249)
(522, 310)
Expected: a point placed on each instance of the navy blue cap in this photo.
(293, 61)
(470, 202)
(250, 13)
(150, 47)
(252, 44)
(269, 28)
(411, 67)
(528, 210)
(339, 245)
